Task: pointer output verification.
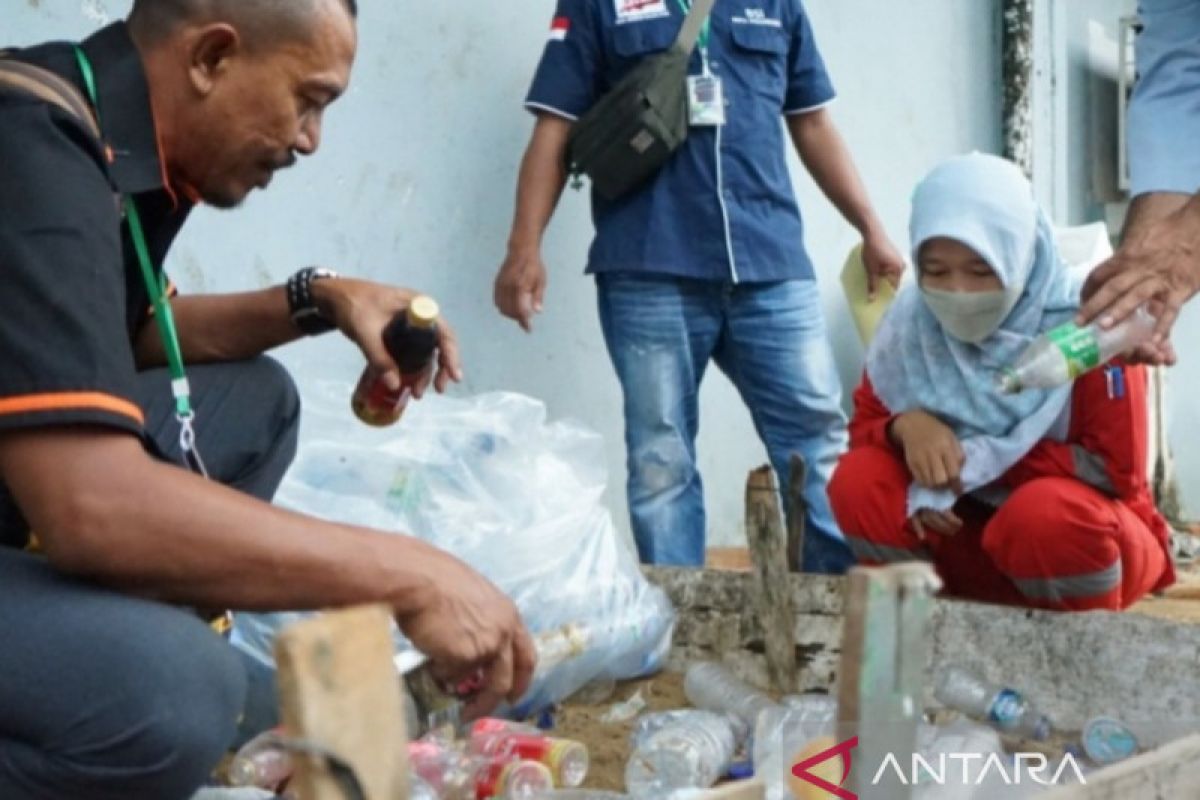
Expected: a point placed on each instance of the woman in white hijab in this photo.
(1036, 499)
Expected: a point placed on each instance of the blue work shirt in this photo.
(1164, 115)
(723, 207)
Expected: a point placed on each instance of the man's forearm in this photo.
(826, 157)
(222, 327)
(113, 515)
(1146, 209)
(540, 183)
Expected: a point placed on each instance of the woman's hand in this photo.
(931, 450)
(944, 523)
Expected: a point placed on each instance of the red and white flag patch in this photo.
(559, 28)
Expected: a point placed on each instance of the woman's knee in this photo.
(868, 487)
(1056, 539)
(869, 494)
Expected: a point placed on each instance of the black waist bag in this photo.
(631, 132)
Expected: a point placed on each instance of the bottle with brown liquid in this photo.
(411, 340)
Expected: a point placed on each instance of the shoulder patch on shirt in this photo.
(559, 28)
(638, 10)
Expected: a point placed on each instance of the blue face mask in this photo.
(970, 316)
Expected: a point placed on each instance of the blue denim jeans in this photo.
(770, 339)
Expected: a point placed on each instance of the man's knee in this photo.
(171, 695)
(182, 716)
(661, 465)
(280, 397)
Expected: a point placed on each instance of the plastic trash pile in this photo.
(519, 498)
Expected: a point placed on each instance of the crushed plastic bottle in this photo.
(1061, 355)
(692, 753)
(261, 763)
(714, 687)
(1003, 708)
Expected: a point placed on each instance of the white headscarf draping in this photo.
(987, 204)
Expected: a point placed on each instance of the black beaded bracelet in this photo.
(305, 314)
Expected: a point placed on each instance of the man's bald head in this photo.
(257, 21)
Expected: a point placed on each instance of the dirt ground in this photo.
(608, 742)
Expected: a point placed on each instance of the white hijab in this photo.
(987, 204)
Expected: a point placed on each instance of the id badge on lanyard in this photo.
(706, 94)
(706, 98)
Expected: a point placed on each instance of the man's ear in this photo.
(211, 49)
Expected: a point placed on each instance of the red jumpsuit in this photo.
(1078, 530)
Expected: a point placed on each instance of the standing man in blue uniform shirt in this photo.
(1159, 258)
(706, 262)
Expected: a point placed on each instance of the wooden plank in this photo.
(339, 690)
(1169, 772)
(881, 675)
(742, 790)
(772, 594)
(797, 513)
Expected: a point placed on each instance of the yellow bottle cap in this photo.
(423, 311)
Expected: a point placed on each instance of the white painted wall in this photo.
(415, 179)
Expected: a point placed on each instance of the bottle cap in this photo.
(1107, 741)
(568, 762)
(423, 311)
(524, 778)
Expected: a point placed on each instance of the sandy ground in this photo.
(608, 742)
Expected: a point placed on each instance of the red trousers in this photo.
(1054, 543)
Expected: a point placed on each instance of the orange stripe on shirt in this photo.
(69, 401)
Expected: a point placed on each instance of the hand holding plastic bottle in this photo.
(1158, 264)
(469, 629)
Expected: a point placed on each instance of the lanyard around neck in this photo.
(705, 29)
(156, 288)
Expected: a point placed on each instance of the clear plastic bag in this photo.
(519, 498)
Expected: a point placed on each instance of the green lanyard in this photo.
(705, 29)
(156, 287)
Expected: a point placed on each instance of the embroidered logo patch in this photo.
(637, 10)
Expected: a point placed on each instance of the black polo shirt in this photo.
(71, 293)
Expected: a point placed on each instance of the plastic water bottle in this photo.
(811, 707)
(1002, 708)
(690, 754)
(649, 724)
(714, 687)
(1061, 355)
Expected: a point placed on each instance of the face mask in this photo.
(970, 316)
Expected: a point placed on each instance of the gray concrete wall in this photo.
(414, 185)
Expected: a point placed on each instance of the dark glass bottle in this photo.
(411, 340)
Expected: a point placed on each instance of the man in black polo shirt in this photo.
(107, 688)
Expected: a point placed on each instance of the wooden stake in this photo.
(339, 690)
(772, 587)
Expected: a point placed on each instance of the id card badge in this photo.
(706, 100)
